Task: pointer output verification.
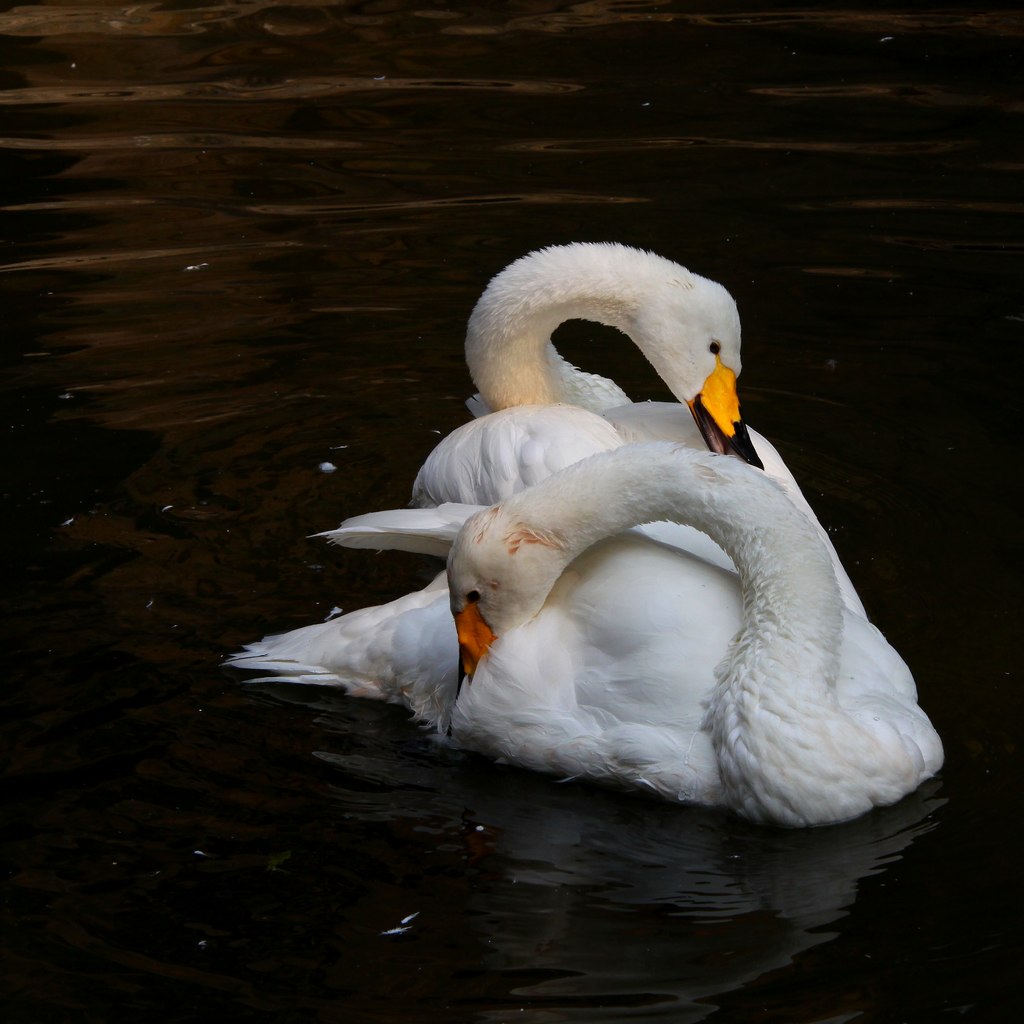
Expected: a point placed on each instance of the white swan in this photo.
(687, 327)
(548, 414)
(624, 661)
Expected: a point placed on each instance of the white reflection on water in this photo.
(608, 900)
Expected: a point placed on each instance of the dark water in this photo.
(240, 240)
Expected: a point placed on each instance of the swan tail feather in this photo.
(404, 652)
(426, 531)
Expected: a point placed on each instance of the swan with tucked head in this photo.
(610, 658)
(686, 325)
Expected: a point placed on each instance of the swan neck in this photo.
(508, 341)
(789, 587)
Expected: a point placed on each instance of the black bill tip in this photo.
(738, 444)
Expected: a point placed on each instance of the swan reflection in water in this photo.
(573, 892)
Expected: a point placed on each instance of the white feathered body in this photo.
(616, 680)
(612, 683)
(648, 665)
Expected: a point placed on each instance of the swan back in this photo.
(489, 459)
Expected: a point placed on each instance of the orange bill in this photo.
(475, 636)
(717, 412)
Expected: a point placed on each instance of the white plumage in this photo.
(531, 400)
(628, 662)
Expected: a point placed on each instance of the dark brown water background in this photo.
(240, 240)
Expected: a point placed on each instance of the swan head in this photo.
(687, 326)
(500, 572)
(689, 329)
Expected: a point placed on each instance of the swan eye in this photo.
(473, 596)
(715, 348)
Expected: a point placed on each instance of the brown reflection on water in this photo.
(371, 22)
(605, 12)
(784, 145)
(312, 88)
(182, 140)
(909, 203)
(245, 239)
(899, 92)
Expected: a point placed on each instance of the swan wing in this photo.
(499, 454)
(875, 685)
(490, 458)
(656, 421)
(427, 531)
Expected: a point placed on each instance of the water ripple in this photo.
(272, 18)
(884, 23)
(930, 96)
(499, 199)
(180, 140)
(238, 90)
(908, 203)
(73, 261)
(606, 145)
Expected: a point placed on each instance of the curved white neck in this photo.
(789, 585)
(508, 340)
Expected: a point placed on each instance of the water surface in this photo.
(242, 240)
